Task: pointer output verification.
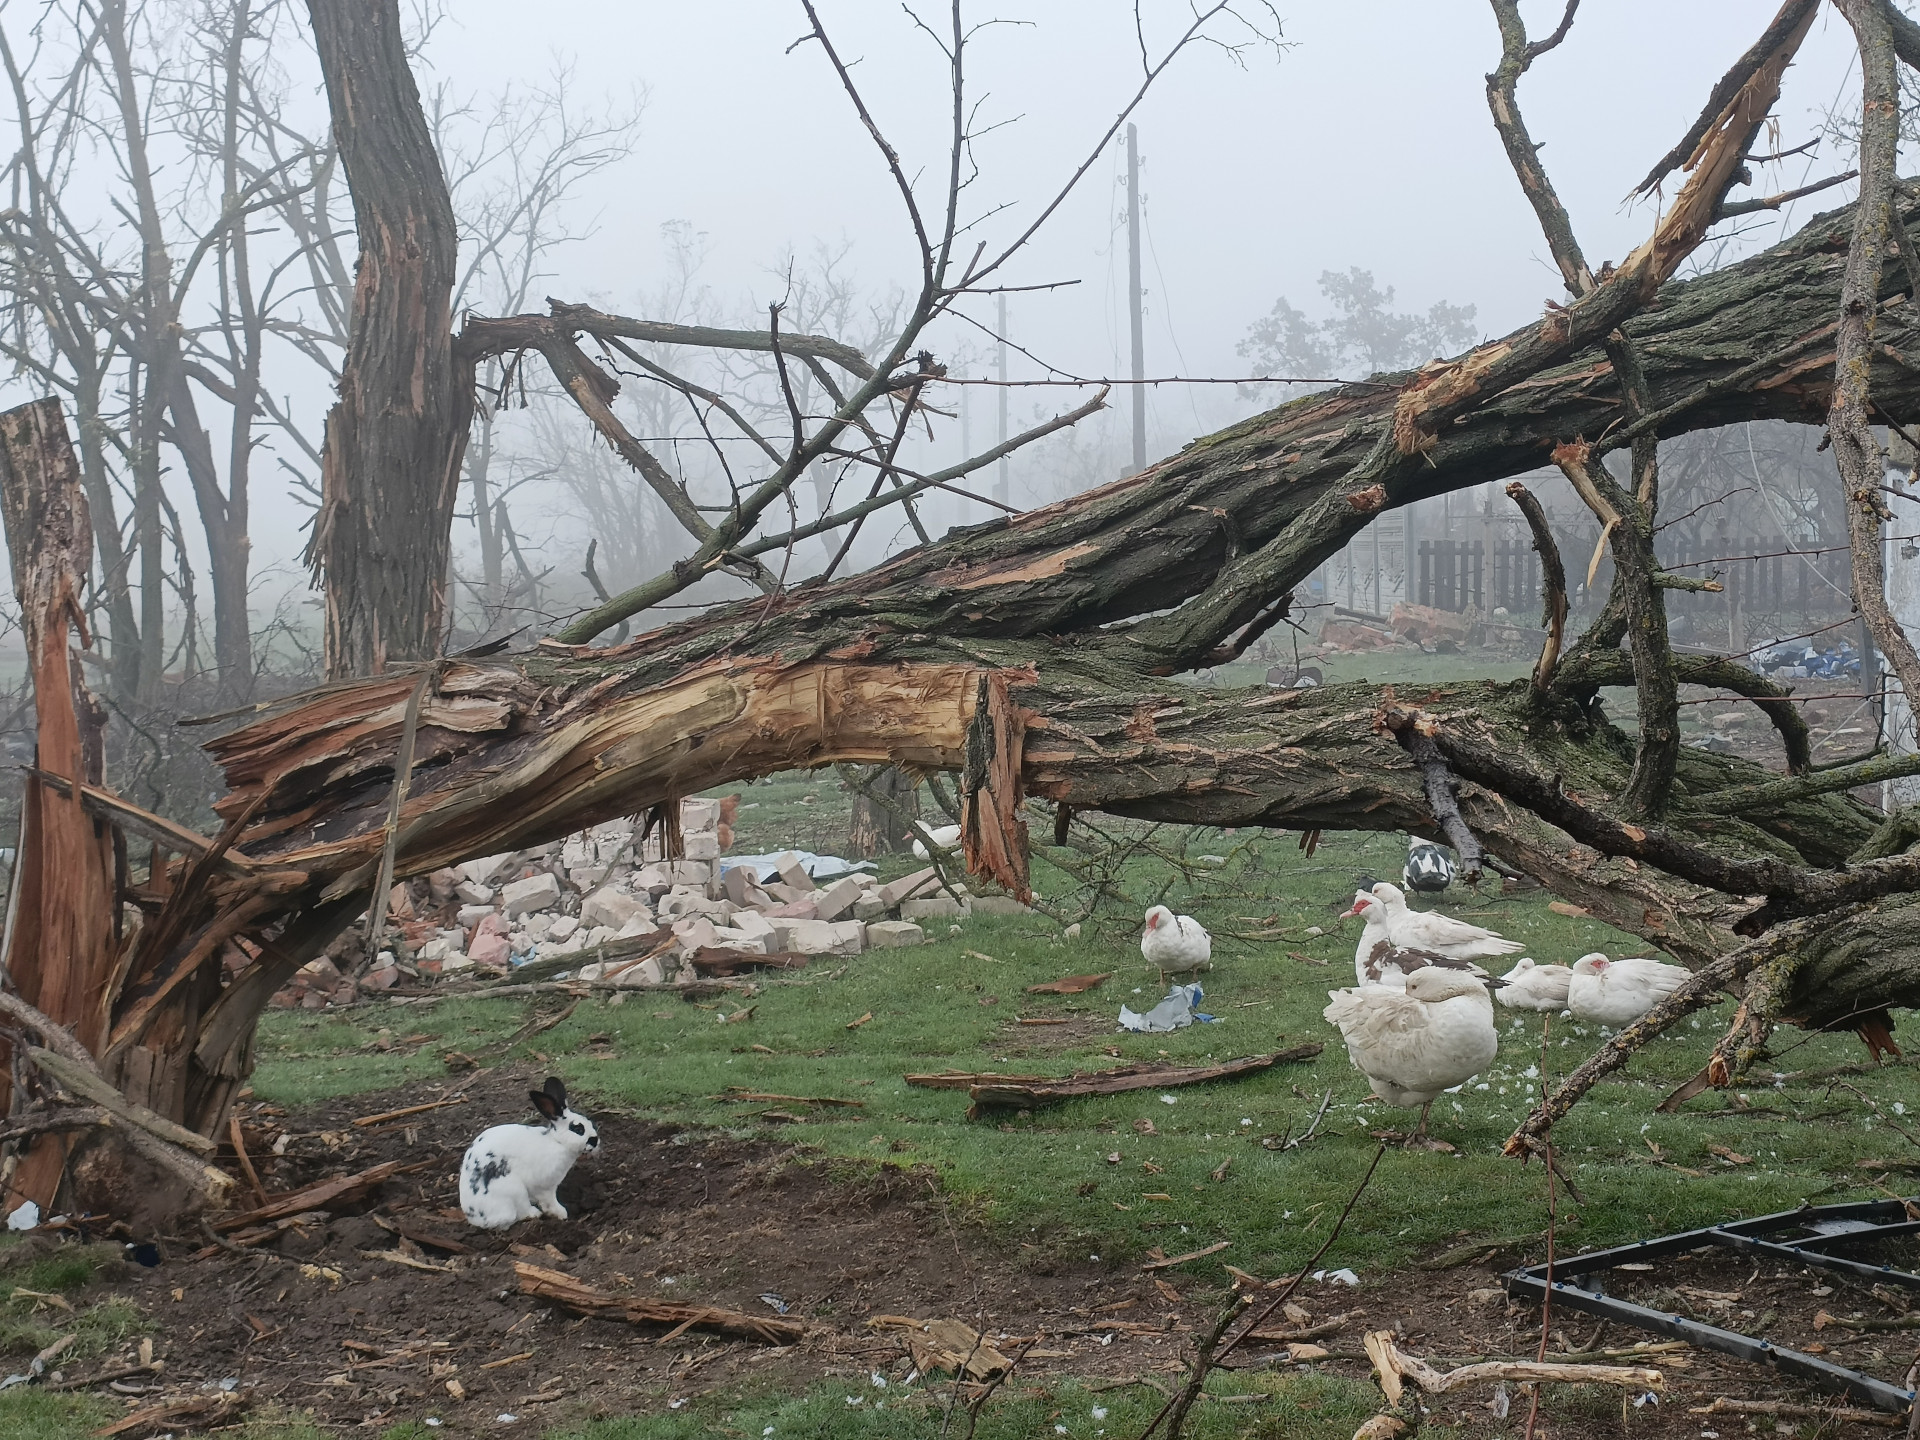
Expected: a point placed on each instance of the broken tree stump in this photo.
(64, 940)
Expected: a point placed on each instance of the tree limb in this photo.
(1553, 576)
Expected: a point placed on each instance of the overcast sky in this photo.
(1367, 143)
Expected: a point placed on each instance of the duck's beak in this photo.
(1348, 914)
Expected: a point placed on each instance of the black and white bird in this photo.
(1428, 870)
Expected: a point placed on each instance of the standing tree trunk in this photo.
(879, 825)
(64, 941)
(390, 466)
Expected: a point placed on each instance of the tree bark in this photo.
(876, 829)
(390, 466)
(65, 937)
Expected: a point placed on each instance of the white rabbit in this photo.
(510, 1172)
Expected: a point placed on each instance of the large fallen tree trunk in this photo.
(998, 652)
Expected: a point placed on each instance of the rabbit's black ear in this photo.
(557, 1090)
(546, 1104)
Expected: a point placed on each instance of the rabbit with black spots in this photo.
(510, 1172)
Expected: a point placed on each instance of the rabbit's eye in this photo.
(578, 1128)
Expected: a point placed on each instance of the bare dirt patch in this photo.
(754, 1226)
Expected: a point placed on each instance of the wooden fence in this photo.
(1763, 576)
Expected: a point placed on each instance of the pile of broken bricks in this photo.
(492, 915)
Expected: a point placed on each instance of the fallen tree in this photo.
(1030, 656)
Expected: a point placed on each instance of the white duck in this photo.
(1615, 993)
(1415, 1043)
(1178, 944)
(945, 836)
(1378, 961)
(1535, 987)
(1430, 930)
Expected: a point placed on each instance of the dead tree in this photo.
(390, 468)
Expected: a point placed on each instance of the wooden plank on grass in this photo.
(1031, 1091)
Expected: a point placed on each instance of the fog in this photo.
(1365, 142)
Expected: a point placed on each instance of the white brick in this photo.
(483, 870)
(890, 934)
(536, 892)
(837, 899)
(610, 907)
(937, 907)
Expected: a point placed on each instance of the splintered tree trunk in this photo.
(879, 825)
(390, 467)
(65, 941)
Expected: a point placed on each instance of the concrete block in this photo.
(837, 900)
(469, 893)
(698, 815)
(484, 870)
(918, 883)
(563, 928)
(870, 907)
(792, 872)
(689, 872)
(441, 884)
(819, 937)
(610, 907)
(999, 905)
(728, 938)
(536, 892)
(752, 922)
(471, 915)
(937, 907)
(891, 934)
(704, 845)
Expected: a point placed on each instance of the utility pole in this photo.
(1000, 481)
(1133, 302)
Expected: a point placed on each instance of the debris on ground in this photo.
(632, 916)
(1175, 1012)
(1030, 1091)
(946, 1345)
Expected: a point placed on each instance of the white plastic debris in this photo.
(767, 867)
(1176, 1012)
(24, 1216)
(1344, 1277)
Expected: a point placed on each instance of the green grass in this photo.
(1023, 1176)
(1291, 1408)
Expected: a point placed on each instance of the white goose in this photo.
(1415, 1043)
(1430, 930)
(1615, 993)
(945, 836)
(1378, 961)
(1178, 944)
(1535, 987)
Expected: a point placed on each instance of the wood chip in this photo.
(1070, 985)
(856, 1024)
(1171, 1260)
